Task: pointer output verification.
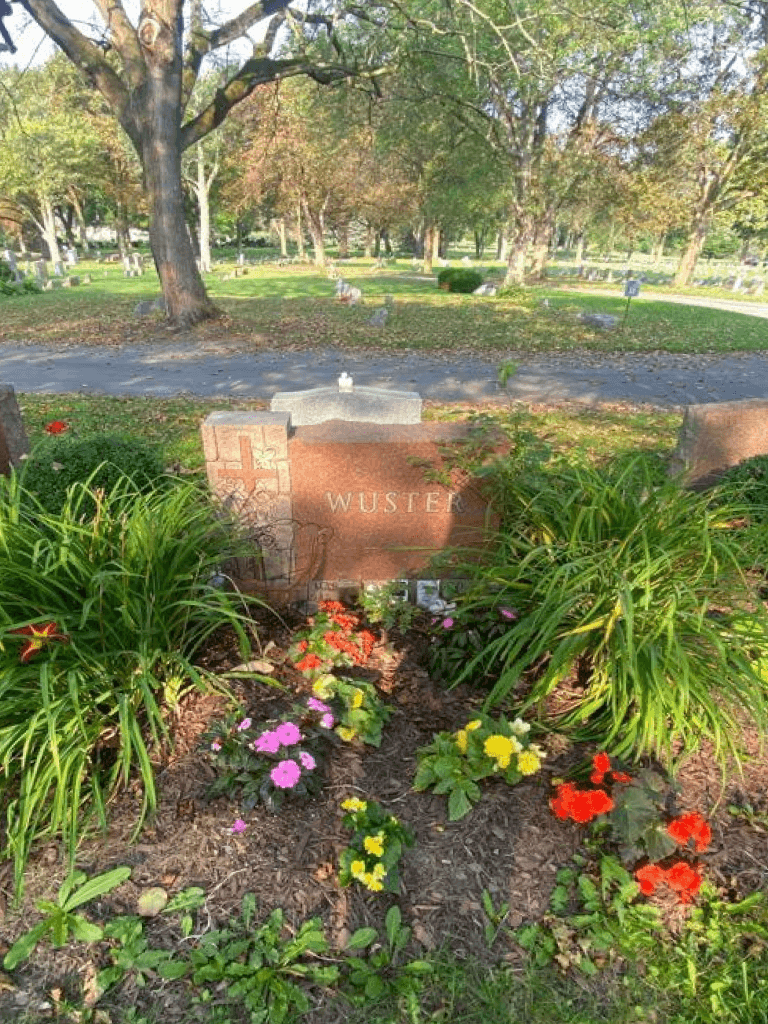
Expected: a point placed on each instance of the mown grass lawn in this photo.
(295, 306)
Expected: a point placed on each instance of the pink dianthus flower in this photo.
(267, 743)
(288, 733)
(286, 774)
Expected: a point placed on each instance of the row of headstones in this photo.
(753, 286)
(40, 267)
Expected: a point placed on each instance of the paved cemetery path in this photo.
(711, 302)
(662, 379)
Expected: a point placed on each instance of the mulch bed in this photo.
(510, 845)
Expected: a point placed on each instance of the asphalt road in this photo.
(655, 378)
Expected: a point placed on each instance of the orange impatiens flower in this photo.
(691, 827)
(38, 635)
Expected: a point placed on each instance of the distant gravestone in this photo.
(486, 289)
(127, 267)
(13, 437)
(71, 256)
(603, 321)
(58, 268)
(147, 307)
(717, 435)
(41, 271)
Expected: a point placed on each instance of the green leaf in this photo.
(392, 923)
(24, 945)
(84, 931)
(361, 938)
(458, 805)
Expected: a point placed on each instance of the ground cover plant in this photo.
(487, 917)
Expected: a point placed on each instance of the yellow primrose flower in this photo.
(461, 740)
(379, 871)
(500, 748)
(353, 804)
(528, 762)
(323, 687)
(346, 733)
(374, 844)
(357, 869)
(357, 699)
(474, 724)
(372, 883)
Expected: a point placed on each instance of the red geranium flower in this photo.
(691, 827)
(309, 662)
(602, 763)
(56, 427)
(38, 634)
(621, 777)
(650, 876)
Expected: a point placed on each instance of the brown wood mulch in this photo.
(510, 845)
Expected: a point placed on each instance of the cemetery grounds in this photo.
(449, 945)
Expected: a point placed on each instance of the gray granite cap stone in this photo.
(354, 404)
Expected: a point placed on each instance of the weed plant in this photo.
(100, 619)
(632, 592)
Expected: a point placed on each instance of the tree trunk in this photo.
(316, 224)
(581, 243)
(281, 234)
(501, 246)
(690, 256)
(436, 240)
(342, 233)
(429, 247)
(299, 233)
(82, 229)
(658, 253)
(186, 300)
(519, 251)
(541, 245)
(49, 230)
(368, 250)
(122, 230)
(202, 188)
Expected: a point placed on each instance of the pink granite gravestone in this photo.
(717, 435)
(336, 505)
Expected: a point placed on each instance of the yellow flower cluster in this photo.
(501, 748)
(323, 687)
(529, 761)
(357, 698)
(461, 735)
(346, 733)
(353, 804)
(372, 880)
(374, 844)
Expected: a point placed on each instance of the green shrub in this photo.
(631, 594)
(459, 279)
(129, 599)
(100, 461)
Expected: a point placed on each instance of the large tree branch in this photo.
(256, 71)
(238, 26)
(85, 55)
